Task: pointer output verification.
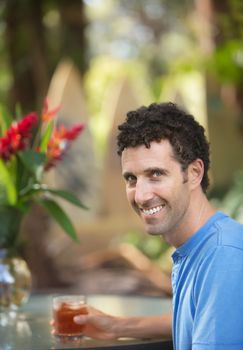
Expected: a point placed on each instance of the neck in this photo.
(198, 213)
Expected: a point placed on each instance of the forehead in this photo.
(160, 154)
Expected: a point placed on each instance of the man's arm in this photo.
(103, 326)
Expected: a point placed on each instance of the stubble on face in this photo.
(171, 216)
(160, 201)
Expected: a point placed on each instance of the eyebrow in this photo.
(147, 172)
(151, 170)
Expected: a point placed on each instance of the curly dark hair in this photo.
(167, 121)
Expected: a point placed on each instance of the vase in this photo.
(15, 281)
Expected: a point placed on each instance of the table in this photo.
(29, 329)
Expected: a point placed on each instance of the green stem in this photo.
(10, 218)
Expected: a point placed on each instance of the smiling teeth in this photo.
(152, 210)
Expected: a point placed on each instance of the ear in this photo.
(195, 173)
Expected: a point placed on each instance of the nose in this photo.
(143, 192)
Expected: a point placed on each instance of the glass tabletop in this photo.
(29, 328)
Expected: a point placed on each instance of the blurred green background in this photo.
(190, 52)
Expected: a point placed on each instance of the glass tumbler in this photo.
(65, 307)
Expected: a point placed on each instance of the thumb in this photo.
(80, 319)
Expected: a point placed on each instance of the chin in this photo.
(153, 231)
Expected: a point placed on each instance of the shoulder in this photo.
(230, 233)
(221, 267)
(224, 252)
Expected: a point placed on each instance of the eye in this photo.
(156, 173)
(130, 179)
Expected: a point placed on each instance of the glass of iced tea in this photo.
(65, 307)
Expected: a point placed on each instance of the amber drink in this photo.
(64, 309)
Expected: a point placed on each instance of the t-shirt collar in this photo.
(186, 248)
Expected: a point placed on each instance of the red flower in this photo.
(60, 141)
(17, 136)
(48, 115)
(73, 133)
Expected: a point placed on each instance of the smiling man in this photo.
(161, 193)
(165, 162)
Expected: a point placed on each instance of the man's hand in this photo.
(100, 325)
(97, 324)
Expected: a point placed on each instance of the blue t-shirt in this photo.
(207, 281)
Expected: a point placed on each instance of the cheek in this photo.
(130, 194)
(168, 190)
(162, 189)
(182, 194)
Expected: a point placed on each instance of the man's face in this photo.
(156, 187)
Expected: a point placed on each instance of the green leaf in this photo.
(5, 119)
(225, 61)
(10, 217)
(7, 184)
(42, 188)
(67, 196)
(60, 216)
(18, 111)
(46, 137)
(33, 161)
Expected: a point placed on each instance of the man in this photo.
(165, 162)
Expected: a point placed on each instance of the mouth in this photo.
(152, 211)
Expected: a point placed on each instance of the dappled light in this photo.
(98, 60)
